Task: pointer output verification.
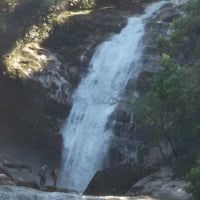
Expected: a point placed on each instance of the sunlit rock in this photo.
(162, 185)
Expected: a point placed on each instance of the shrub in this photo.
(81, 5)
(194, 178)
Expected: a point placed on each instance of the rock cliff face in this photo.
(128, 145)
(122, 119)
(161, 185)
(43, 56)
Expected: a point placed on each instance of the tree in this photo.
(170, 110)
(194, 178)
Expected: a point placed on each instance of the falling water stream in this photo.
(85, 139)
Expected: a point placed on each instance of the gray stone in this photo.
(173, 190)
(162, 185)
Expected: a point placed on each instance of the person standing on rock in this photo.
(54, 175)
(42, 175)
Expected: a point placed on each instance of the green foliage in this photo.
(194, 178)
(181, 27)
(193, 7)
(170, 110)
(6, 5)
(81, 5)
(188, 27)
(162, 44)
(185, 34)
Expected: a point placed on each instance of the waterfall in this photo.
(85, 140)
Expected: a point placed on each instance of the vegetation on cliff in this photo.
(170, 110)
(64, 26)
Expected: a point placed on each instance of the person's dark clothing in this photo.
(54, 174)
(42, 180)
(42, 175)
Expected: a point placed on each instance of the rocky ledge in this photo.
(13, 186)
(21, 193)
(162, 185)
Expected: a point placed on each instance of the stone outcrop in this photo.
(8, 165)
(25, 176)
(7, 162)
(161, 185)
(114, 181)
(39, 65)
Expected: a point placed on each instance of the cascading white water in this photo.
(85, 140)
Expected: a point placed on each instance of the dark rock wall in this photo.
(118, 179)
(29, 116)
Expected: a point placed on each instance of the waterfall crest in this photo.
(85, 141)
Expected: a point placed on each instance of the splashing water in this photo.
(85, 140)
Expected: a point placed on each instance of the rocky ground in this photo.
(21, 193)
(160, 185)
(16, 172)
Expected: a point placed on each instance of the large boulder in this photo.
(114, 181)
